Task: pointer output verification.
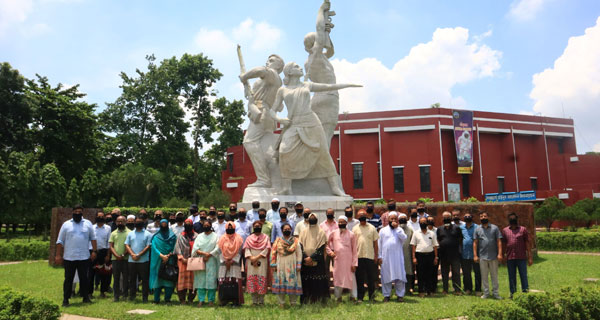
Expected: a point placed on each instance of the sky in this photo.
(517, 56)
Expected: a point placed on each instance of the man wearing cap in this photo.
(391, 259)
(407, 250)
(342, 248)
(252, 215)
(299, 209)
(194, 216)
(273, 213)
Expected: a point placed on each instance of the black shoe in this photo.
(116, 299)
(386, 299)
(87, 300)
(65, 303)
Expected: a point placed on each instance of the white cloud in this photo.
(13, 12)
(572, 87)
(481, 37)
(423, 77)
(523, 10)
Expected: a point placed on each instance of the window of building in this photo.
(533, 183)
(398, 179)
(230, 162)
(425, 178)
(357, 169)
(561, 146)
(465, 186)
(500, 184)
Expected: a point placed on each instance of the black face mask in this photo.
(362, 219)
(403, 221)
(203, 218)
(342, 226)
(262, 216)
(430, 222)
(164, 229)
(121, 227)
(139, 225)
(283, 216)
(171, 221)
(447, 221)
(242, 215)
(456, 220)
(423, 226)
(188, 227)
(468, 219)
(329, 217)
(144, 216)
(391, 226)
(305, 215)
(348, 214)
(312, 221)
(212, 213)
(130, 226)
(257, 229)
(157, 218)
(299, 211)
(108, 219)
(414, 215)
(255, 206)
(221, 217)
(274, 206)
(207, 228)
(287, 233)
(391, 207)
(421, 210)
(179, 219)
(513, 221)
(230, 231)
(484, 221)
(369, 209)
(100, 220)
(232, 209)
(193, 212)
(77, 217)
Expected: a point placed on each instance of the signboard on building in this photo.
(510, 196)
(463, 140)
(454, 192)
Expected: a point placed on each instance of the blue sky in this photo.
(518, 56)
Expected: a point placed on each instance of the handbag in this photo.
(168, 272)
(196, 264)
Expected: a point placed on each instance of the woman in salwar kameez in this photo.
(256, 251)
(286, 261)
(183, 250)
(315, 276)
(205, 281)
(230, 271)
(163, 245)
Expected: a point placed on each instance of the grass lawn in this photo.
(548, 273)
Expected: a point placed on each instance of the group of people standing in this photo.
(289, 254)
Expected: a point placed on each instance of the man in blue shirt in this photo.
(373, 218)
(73, 252)
(467, 264)
(276, 232)
(137, 245)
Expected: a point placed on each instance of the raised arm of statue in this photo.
(318, 87)
(323, 28)
(257, 72)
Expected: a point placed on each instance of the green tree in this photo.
(548, 212)
(73, 195)
(573, 215)
(90, 188)
(15, 111)
(53, 190)
(590, 207)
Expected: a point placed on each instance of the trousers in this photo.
(469, 265)
(82, 268)
(365, 272)
(489, 268)
(513, 265)
(454, 264)
(386, 288)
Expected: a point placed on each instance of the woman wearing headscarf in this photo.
(205, 281)
(163, 245)
(230, 272)
(286, 261)
(257, 248)
(315, 276)
(183, 250)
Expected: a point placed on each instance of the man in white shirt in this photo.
(425, 256)
(178, 227)
(349, 212)
(102, 258)
(253, 213)
(413, 222)
(242, 226)
(273, 213)
(194, 216)
(220, 224)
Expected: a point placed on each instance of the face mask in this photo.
(108, 219)
(121, 227)
(287, 233)
(283, 215)
(221, 217)
(77, 217)
(179, 219)
(257, 229)
(139, 225)
(212, 213)
(369, 209)
(342, 226)
(423, 226)
(164, 228)
(484, 221)
(392, 207)
(274, 206)
(447, 221)
(329, 217)
(403, 221)
(230, 231)
(362, 219)
(188, 227)
(99, 220)
(456, 220)
(305, 215)
(242, 215)
(157, 218)
(144, 216)
(312, 221)
(207, 229)
(130, 226)
(391, 226)
(262, 216)
(421, 210)
(193, 212)
(348, 214)
(255, 206)
(468, 219)
(414, 215)
(299, 211)
(430, 222)
(232, 209)
(172, 221)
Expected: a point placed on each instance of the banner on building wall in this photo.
(463, 140)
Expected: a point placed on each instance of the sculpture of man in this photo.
(318, 69)
(261, 123)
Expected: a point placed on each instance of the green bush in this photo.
(568, 241)
(578, 303)
(15, 306)
(496, 310)
(24, 250)
(540, 305)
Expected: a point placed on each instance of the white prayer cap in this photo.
(130, 217)
(343, 217)
(392, 214)
(275, 200)
(403, 215)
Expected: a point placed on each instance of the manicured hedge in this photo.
(18, 250)
(568, 241)
(135, 210)
(569, 303)
(16, 306)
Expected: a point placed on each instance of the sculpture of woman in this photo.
(303, 150)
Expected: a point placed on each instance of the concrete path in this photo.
(571, 253)
(4, 263)
(66, 316)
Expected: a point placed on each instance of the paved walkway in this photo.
(571, 253)
(66, 316)
(16, 262)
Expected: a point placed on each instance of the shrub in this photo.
(568, 241)
(540, 305)
(578, 303)
(496, 310)
(16, 305)
(24, 250)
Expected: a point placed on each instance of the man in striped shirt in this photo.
(517, 253)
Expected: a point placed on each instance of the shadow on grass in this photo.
(538, 259)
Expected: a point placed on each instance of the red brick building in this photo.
(409, 154)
